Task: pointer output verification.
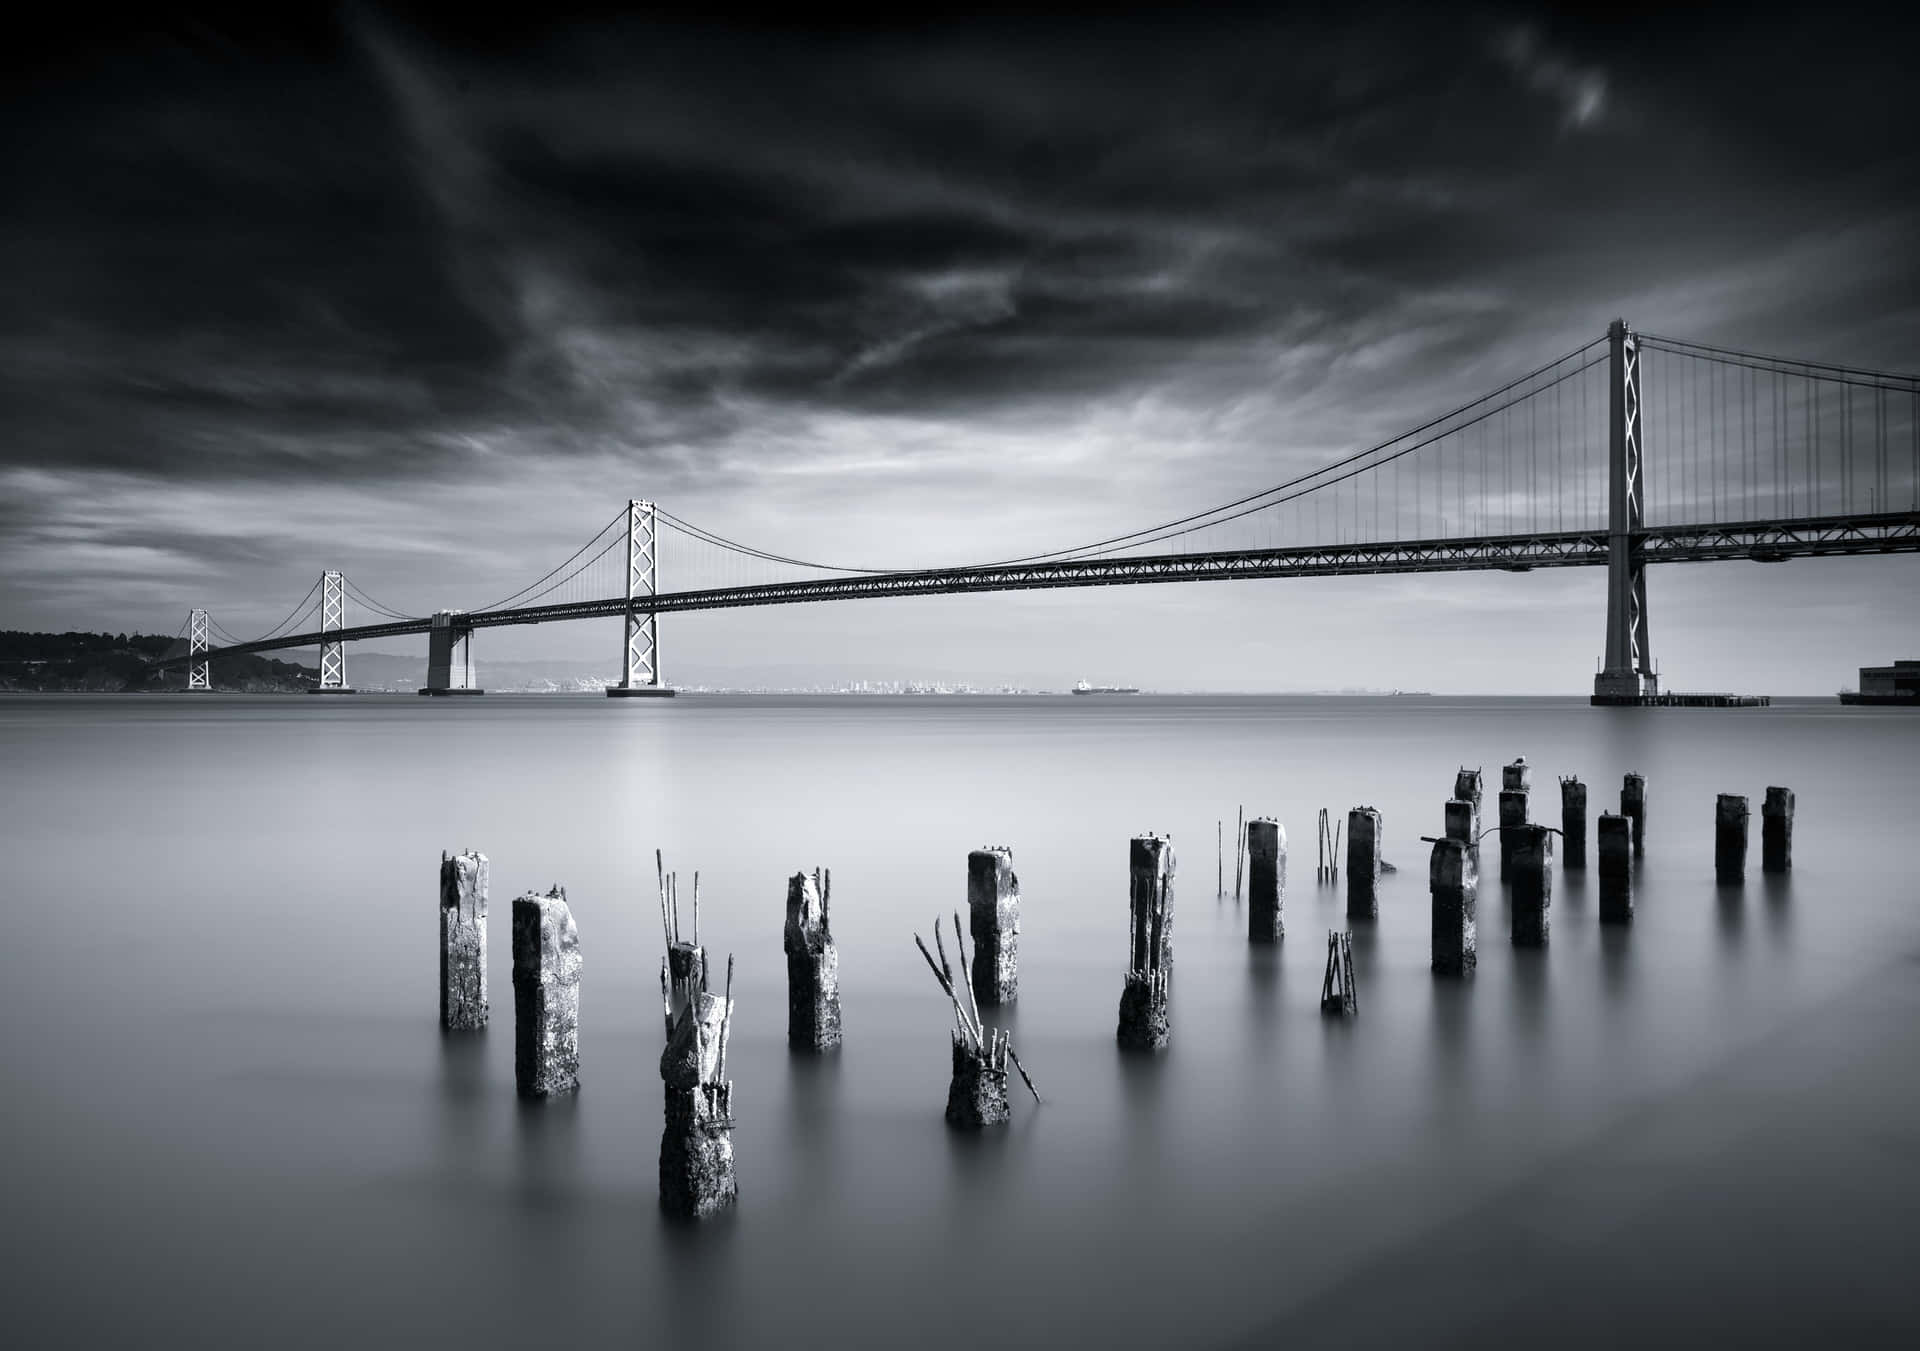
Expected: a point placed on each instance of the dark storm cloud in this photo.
(374, 248)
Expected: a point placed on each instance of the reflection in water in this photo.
(547, 1147)
(1730, 912)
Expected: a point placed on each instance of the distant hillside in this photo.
(73, 662)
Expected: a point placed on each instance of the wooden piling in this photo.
(1730, 838)
(1776, 831)
(1573, 823)
(1337, 993)
(696, 1144)
(464, 879)
(546, 996)
(1144, 999)
(1633, 806)
(1466, 788)
(1513, 815)
(1532, 899)
(1453, 879)
(1267, 880)
(1616, 877)
(1363, 863)
(813, 964)
(993, 913)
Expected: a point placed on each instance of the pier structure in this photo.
(450, 668)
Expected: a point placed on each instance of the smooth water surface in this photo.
(232, 1120)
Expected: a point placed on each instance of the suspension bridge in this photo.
(1632, 449)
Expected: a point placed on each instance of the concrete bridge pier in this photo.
(450, 656)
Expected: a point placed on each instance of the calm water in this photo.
(231, 1118)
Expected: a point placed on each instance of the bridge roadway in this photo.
(1759, 541)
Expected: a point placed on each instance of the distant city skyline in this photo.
(427, 304)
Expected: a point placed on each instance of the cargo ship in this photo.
(1084, 688)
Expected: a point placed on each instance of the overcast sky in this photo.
(428, 304)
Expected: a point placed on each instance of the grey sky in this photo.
(428, 304)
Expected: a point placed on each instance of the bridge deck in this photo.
(1759, 541)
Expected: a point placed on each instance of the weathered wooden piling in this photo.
(1329, 870)
(1144, 1000)
(1633, 806)
(1363, 863)
(1239, 849)
(1573, 822)
(993, 913)
(977, 1090)
(1517, 777)
(813, 964)
(546, 995)
(464, 878)
(1513, 815)
(1532, 900)
(1730, 838)
(1616, 876)
(1776, 831)
(1460, 822)
(696, 1144)
(1454, 880)
(1337, 992)
(1266, 880)
(1466, 788)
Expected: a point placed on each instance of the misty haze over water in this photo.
(230, 1102)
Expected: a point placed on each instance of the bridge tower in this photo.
(333, 616)
(197, 678)
(1626, 675)
(640, 646)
